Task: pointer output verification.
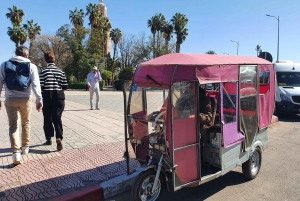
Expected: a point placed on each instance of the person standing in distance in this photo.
(93, 79)
(53, 85)
(21, 79)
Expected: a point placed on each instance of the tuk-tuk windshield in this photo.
(146, 112)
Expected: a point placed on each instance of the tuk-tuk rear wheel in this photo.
(252, 166)
(142, 187)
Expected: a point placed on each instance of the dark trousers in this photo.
(52, 111)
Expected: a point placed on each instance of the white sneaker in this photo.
(17, 159)
(25, 150)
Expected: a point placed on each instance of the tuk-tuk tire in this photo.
(139, 180)
(247, 166)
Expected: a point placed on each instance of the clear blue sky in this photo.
(212, 23)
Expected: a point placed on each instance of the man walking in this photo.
(21, 79)
(53, 85)
(93, 79)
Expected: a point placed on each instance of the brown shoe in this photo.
(59, 144)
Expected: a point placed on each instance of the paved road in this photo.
(278, 180)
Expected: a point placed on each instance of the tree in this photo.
(167, 31)
(210, 52)
(116, 36)
(50, 42)
(33, 29)
(17, 35)
(93, 11)
(15, 15)
(76, 17)
(152, 23)
(179, 22)
(258, 49)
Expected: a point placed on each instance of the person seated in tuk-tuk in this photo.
(185, 108)
(206, 118)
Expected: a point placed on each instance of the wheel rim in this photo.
(255, 163)
(146, 188)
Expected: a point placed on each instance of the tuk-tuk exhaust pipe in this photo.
(157, 174)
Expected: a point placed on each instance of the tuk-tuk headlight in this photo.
(285, 97)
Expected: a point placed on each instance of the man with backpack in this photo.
(21, 79)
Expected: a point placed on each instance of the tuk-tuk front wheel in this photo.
(252, 166)
(142, 188)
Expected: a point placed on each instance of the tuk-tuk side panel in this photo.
(262, 137)
(184, 132)
(186, 161)
(230, 157)
(266, 100)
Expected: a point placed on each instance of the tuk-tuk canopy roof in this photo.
(202, 59)
(171, 68)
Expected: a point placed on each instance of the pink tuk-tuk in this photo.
(166, 138)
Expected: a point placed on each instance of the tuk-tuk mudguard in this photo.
(141, 169)
(261, 141)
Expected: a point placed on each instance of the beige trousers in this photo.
(16, 107)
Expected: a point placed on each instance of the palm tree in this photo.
(32, 29)
(179, 22)
(160, 22)
(17, 35)
(167, 31)
(76, 17)
(152, 23)
(116, 36)
(210, 52)
(106, 32)
(15, 15)
(258, 49)
(93, 11)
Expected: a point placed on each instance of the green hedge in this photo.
(118, 84)
(83, 85)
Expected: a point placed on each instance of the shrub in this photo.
(77, 85)
(118, 84)
(102, 84)
(83, 85)
(106, 75)
(126, 73)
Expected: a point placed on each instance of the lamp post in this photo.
(277, 18)
(237, 50)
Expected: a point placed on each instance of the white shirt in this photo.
(93, 79)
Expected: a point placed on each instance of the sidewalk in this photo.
(93, 153)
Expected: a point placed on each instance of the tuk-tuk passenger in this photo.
(185, 108)
(205, 115)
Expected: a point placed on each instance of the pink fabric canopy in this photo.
(207, 68)
(202, 59)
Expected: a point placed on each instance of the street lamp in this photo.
(237, 50)
(278, 35)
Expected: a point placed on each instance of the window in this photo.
(264, 82)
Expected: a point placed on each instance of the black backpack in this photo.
(17, 75)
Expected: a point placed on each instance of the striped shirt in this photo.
(53, 79)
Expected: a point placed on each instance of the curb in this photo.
(274, 119)
(100, 192)
(90, 193)
(118, 185)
